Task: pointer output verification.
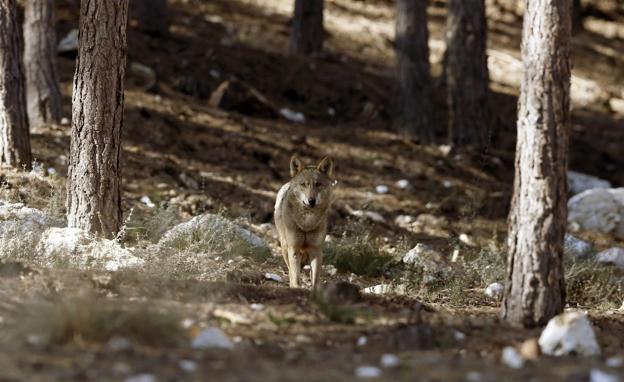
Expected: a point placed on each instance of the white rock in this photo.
(613, 255)
(145, 377)
(578, 182)
(495, 290)
(218, 226)
(368, 372)
(447, 184)
(330, 269)
(214, 73)
(469, 241)
(187, 365)
(426, 257)
(211, 338)
(69, 43)
(597, 375)
(361, 341)
(331, 111)
(615, 362)
(575, 247)
(257, 307)
(512, 358)
(273, 276)
(147, 201)
(51, 171)
(600, 210)
(292, 116)
(17, 219)
(402, 184)
(385, 289)
(382, 189)
(403, 220)
(65, 121)
(81, 249)
(372, 215)
(569, 332)
(389, 361)
(459, 336)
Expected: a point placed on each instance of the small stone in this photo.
(273, 276)
(147, 201)
(212, 337)
(495, 290)
(368, 372)
(512, 358)
(615, 361)
(459, 336)
(469, 241)
(445, 149)
(382, 189)
(447, 184)
(529, 349)
(256, 306)
(567, 333)
(575, 247)
(389, 361)
(403, 220)
(402, 184)
(331, 111)
(145, 377)
(597, 375)
(613, 256)
(303, 338)
(292, 116)
(187, 365)
(65, 121)
(361, 341)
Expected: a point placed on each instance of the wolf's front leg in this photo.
(294, 267)
(316, 263)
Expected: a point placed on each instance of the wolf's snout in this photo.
(311, 202)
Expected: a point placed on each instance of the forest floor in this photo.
(181, 152)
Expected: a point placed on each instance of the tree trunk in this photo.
(306, 36)
(42, 85)
(413, 70)
(94, 198)
(153, 16)
(14, 134)
(467, 73)
(535, 287)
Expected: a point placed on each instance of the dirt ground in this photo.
(179, 150)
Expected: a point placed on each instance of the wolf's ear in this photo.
(296, 165)
(326, 166)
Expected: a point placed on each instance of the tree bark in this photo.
(467, 73)
(14, 134)
(413, 70)
(577, 16)
(306, 36)
(153, 16)
(535, 286)
(94, 198)
(42, 86)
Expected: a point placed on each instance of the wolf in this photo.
(301, 209)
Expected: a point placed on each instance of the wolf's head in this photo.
(311, 185)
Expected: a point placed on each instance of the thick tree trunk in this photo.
(466, 72)
(94, 199)
(153, 16)
(42, 85)
(306, 36)
(535, 287)
(14, 134)
(413, 70)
